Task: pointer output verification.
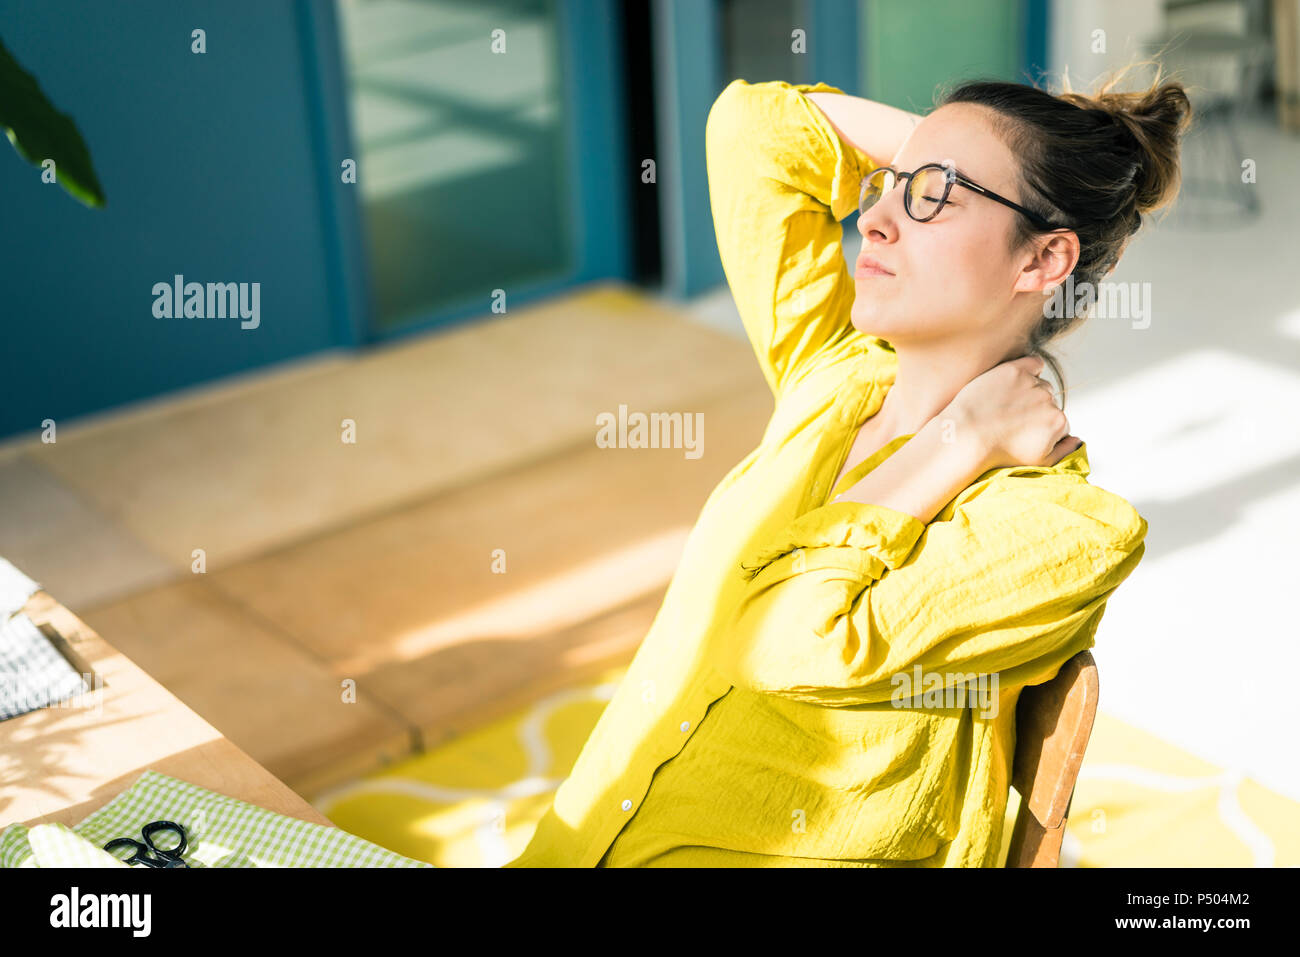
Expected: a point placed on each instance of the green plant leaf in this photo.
(39, 132)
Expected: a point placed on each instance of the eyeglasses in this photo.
(927, 190)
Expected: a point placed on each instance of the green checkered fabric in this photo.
(221, 831)
(51, 845)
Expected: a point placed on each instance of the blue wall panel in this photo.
(208, 164)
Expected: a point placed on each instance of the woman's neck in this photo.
(928, 378)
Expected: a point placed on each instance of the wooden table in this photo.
(59, 763)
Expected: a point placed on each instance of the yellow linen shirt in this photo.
(756, 725)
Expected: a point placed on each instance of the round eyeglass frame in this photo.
(950, 177)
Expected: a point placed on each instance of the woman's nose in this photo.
(878, 223)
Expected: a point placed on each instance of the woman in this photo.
(916, 521)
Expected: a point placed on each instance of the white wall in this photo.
(1126, 24)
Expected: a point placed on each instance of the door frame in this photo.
(595, 143)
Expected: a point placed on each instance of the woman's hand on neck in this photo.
(927, 380)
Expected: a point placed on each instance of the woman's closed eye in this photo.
(946, 206)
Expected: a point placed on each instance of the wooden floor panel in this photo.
(476, 551)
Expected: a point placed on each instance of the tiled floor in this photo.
(473, 548)
(85, 555)
(253, 469)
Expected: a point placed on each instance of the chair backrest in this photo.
(1053, 723)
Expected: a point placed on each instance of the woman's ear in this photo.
(1051, 264)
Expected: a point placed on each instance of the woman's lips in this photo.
(868, 267)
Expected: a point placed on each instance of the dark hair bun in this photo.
(1156, 118)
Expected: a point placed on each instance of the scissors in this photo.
(148, 853)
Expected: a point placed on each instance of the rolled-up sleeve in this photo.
(850, 595)
(780, 180)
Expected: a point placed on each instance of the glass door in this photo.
(458, 118)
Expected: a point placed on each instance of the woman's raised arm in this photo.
(780, 181)
(874, 128)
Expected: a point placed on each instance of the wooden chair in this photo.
(1053, 723)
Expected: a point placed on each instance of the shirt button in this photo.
(627, 805)
(686, 726)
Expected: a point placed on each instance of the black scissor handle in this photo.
(139, 853)
(117, 842)
(173, 852)
(148, 853)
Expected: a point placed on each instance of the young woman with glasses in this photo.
(833, 676)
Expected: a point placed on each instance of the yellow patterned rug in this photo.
(1139, 801)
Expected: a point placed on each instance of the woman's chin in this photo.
(869, 321)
